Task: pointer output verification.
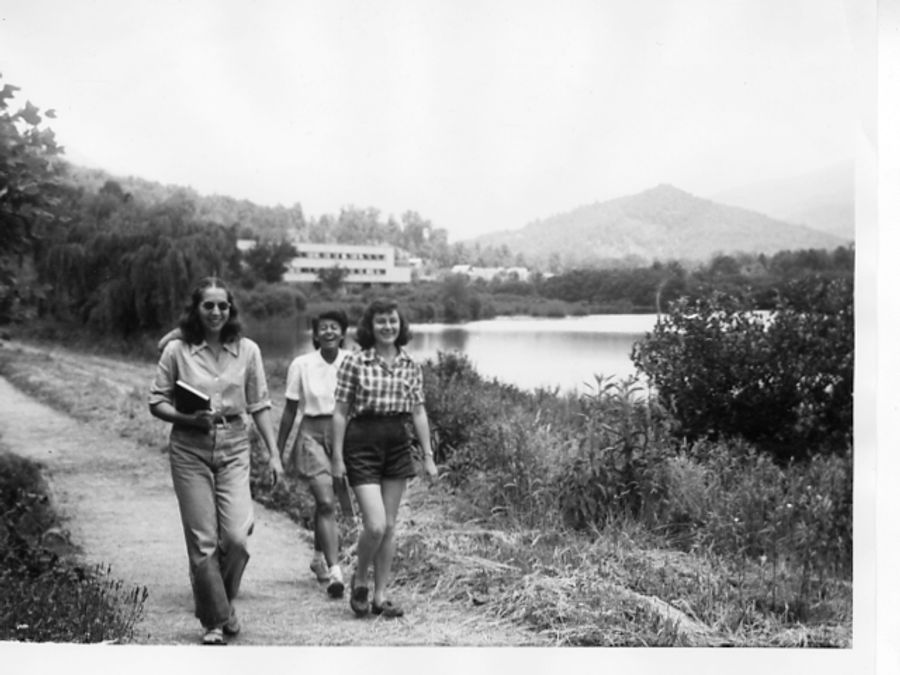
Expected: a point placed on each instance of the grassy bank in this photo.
(573, 515)
(47, 595)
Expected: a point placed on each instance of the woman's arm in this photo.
(339, 427)
(202, 419)
(263, 420)
(423, 433)
(161, 402)
(288, 415)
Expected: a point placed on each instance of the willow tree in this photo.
(129, 270)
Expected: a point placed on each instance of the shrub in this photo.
(782, 382)
(47, 597)
(609, 469)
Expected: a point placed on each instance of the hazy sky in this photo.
(480, 115)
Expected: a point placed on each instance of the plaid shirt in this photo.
(366, 382)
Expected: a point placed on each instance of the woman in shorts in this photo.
(379, 393)
(310, 388)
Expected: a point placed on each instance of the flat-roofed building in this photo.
(363, 264)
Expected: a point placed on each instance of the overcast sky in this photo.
(480, 115)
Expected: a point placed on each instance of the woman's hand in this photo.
(202, 419)
(276, 468)
(430, 468)
(338, 468)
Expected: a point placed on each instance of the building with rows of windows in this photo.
(363, 264)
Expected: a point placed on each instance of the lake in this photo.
(526, 352)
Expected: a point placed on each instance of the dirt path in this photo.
(117, 501)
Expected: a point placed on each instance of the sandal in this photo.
(388, 609)
(233, 626)
(213, 636)
(359, 598)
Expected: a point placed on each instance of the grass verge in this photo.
(572, 516)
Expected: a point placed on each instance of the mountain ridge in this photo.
(661, 223)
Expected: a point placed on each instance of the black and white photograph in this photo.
(459, 335)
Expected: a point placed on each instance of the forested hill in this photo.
(663, 223)
(254, 220)
(412, 233)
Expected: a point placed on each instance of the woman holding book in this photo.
(310, 387)
(209, 447)
(379, 395)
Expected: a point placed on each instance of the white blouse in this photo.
(311, 380)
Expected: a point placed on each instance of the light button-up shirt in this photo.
(235, 381)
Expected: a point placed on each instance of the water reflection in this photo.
(530, 353)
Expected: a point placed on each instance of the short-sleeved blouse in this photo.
(370, 386)
(311, 380)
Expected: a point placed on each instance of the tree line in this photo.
(119, 256)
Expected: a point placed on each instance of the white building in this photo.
(491, 273)
(363, 264)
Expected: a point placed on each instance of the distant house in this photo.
(245, 245)
(491, 273)
(515, 274)
(363, 264)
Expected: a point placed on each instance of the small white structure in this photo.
(491, 273)
(363, 264)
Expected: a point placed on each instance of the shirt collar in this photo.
(230, 347)
(371, 356)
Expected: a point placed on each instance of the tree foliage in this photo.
(782, 380)
(129, 269)
(267, 262)
(332, 278)
(29, 185)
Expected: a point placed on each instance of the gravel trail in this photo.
(117, 502)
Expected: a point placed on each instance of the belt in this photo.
(370, 415)
(224, 420)
(317, 417)
(220, 422)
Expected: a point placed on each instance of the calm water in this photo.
(526, 352)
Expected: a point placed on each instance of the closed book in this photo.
(342, 492)
(189, 399)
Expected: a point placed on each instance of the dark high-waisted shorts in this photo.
(377, 447)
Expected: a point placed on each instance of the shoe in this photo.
(388, 609)
(359, 598)
(233, 625)
(335, 582)
(213, 636)
(320, 569)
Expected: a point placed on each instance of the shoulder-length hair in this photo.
(329, 315)
(365, 332)
(190, 324)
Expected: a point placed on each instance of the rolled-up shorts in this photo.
(378, 447)
(311, 454)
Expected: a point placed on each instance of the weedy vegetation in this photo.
(672, 510)
(47, 595)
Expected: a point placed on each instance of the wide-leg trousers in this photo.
(211, 476)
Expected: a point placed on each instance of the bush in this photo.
(47, 597)
(613, 449)
(268, 300)
(782, 382)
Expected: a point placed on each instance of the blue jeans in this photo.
(211, 476)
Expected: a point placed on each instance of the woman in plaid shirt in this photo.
(379, 389)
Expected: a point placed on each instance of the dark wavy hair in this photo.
(365, 334)
(191, 325)
(332, 315)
